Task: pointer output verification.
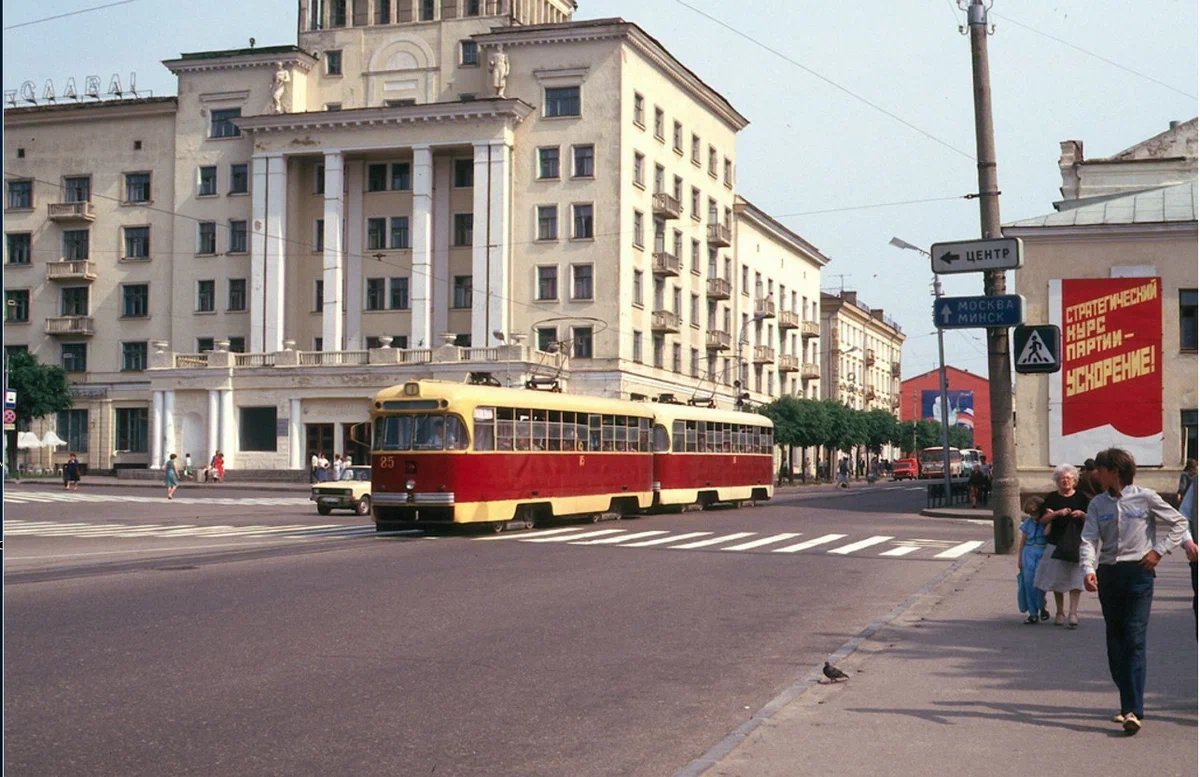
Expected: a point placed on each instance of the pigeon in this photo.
(833, 673)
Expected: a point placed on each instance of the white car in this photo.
(351, 492)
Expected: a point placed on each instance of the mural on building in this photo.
(960, 407)
(1110, 389)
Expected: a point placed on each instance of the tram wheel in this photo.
(497, 526)
(526, 518)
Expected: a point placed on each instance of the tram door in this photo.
(356, 442)
(318, 438)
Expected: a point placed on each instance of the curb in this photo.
(296, 488)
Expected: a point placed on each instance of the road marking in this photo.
(18, 527)
(665, 540)
(799, 546)
(960, 550)
(538, 533)
(569, 538)
(621, 538)
(868, 542)
(713, 541)
(903, 550)
(764, 541)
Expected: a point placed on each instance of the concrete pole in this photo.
(1005, 488)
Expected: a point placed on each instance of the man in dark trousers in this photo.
(1118, 553)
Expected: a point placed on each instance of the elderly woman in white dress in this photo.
(1063, 512)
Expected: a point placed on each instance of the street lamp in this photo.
(741, 382)
(942, 382)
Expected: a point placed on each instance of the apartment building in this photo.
(862, 354)
(414, 188)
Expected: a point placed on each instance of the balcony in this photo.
(895, 403)
(719, 288)
(789, 363)
(72, 211)
(665, 265)
(667, 206)
(71, 270)
(869, 395)
(719, 235)
(870, 357)
(789, 319)
(810, 329)
(764, 354)
(810, 371)
(71, 325)
(764, 308)
(718, 340)
(895, 369)
(664, 321)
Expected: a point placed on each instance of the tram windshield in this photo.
(420, 432)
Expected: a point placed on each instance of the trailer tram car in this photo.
(703, 456)
(450, 453)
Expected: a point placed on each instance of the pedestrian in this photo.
(844, 473)
(1186, 478)
(1031, 544)
(322, 467)
(1089, 483)
(171, 476)
(71, 473)
(1062, 514)
(313, 460)
(338, 466)
(1118, 554)
(218, 466)
(1188, 510)
(976, 485)
(188, 472)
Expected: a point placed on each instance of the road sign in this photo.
(1006, 253)
(10, 398)
(10, 416)
(1038, 348)
(978, 312)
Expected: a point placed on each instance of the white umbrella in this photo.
(52, 440)
(27, 440)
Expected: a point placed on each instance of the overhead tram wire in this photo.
(69, 13)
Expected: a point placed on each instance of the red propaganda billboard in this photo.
(1110, 390)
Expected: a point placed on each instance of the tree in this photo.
(880, 429)
(41, 389)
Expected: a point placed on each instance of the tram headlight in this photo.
(409, 485)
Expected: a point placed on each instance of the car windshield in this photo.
(357, 473)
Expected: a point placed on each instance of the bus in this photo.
(931, 462)
(703, 456)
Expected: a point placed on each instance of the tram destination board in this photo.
(1002, 310)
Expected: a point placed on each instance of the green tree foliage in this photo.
(784, 414)
(847, 427)
(880, 427)
(41, 389)
(961, 437)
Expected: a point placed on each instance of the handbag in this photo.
(1067, 548)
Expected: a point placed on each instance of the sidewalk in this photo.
(957, 683)
(187, 486)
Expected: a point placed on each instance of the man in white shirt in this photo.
(1120, 548)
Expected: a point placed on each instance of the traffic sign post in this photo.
(1007, 253)
(1038, 348)
(984, 312)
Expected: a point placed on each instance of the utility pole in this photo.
(1005, 489)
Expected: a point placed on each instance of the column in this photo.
(489, 258)
(443, 184)
(295, 435)
(258, 250)
(214, 423)
(331, 313)
(228, 445)
(353, 260)
(156, 438)
(422, 248)
(168, 423)
(276, 254)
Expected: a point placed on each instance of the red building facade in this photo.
(968, 398)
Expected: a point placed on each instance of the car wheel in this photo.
(363, 507)
(324, 509)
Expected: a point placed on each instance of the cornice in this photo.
(104, 109)
(760, 218)
(508, 109)
(297, 59)
(1103, 232)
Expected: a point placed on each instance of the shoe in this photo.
(1119, 717)
(1031, 620)
(1073, 622)
(1045, 614)
(1132, 725)
(1059, 619)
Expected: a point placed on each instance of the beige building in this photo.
(1125, 237)
(415, 188)
(861, 354)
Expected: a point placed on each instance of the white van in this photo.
(971, 458)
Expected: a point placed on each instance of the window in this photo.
(637, 287)
(72, 426)
(377, 178)
(463, 223)
(375, 294)
(133, 356)
(1187, 420)
(16, 306)
(462, 291)
(133, 430)
(562, 101)
(399, 232)
(695, 204)
(581, 337)
(677, 358)
(398, 293)
(19, 247)
(237, 294)
(547, 339)
(660, 347)
(207, 182)
(581, 281)
(135, 300)
(74, 357)
(137, 187)
(206, 239)
(20, 195)
(77, 189)
(468, 51)
(337, 13)
(659, 179)
(1187, 320)
(695, 362)
(639, 110)
(425, 10)
(471, 8)
(745, 279)
(696, 310)
(222, 123)
(582, 221)
(547, 222)
(639, 169)
(376, 233)
(206, 296)
(319, 235)
(637, 346)
(712, 265)
(75, 301)
(256, 428)
(75, 245)
(239, 178)
(204, 344)
(659, 123)
(318, 295)
(677, 190)
(383, 11)
(695, 149)
(547, 283)
(728, 173)
(712, 161)
(464, 173)
(584, 161)
(401, 176)
(318, 179)
(547, 162)
(677, 138)
(639, 239)
(238, 240)
(333, 63)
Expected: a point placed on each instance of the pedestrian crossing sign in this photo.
(1038, 348)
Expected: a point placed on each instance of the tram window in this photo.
(456, 434)
(727, 438)
(429, 433)
(691, 436)
(485, 429)
(702, 436)
(539, 431)
(504, 429)
(554, 431)
(521, 429)
(662, 440)
(593, 433)
(394, 433)
(644, 435)
(677, 437)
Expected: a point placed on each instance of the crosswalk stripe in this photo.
(960, 550)
(621, 538)
(573, 537)
(539, 533)
(714, 541)
(665, 540)
(764, 541)
(799, 546)
(903, 550)
(868, 542)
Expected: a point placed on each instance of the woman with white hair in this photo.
(1064, 510)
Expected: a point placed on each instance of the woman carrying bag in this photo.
(1062, 513)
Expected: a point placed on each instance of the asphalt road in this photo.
(164, 649)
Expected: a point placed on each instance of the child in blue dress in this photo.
(1031, 544)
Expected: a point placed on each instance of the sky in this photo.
(861, 119)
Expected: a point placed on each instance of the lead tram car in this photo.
(451, 453)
